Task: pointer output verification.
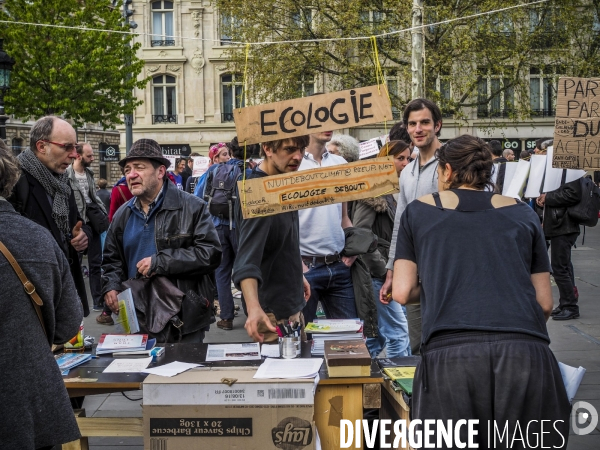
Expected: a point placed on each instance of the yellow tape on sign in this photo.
(317, 187)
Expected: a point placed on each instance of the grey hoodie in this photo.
(414, 183)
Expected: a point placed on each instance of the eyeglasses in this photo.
(67, 147)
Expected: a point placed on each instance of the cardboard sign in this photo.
(577, 124)
(317, 187)
(302, 116)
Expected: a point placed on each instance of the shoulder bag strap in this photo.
(121, 192)
(27, 285)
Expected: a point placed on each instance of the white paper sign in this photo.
(201, 164)
(536, 176)
(172, 159)
(511, 169)
(368, 148)
(554, 176)
(517, 183)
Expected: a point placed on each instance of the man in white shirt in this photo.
(321, 242)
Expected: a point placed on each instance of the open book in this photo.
(126, 320)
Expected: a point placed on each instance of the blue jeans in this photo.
(393, 328)
(229, 245)
(332, 286)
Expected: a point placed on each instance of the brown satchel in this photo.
(27, 285)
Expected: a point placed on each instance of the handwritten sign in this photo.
(201, 164)
(577, 124)
(317, 187)
(302, 116)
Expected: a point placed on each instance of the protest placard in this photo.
(301, 116)
(201, 164)
(317, 187)
(577, 124)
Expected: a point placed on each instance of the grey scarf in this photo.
(55, 185)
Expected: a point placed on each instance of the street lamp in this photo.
(6, 65)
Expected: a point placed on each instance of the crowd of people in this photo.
(448, 268)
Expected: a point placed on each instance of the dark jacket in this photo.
(376, 214)
(36, 411)
(556, 221)
(360, 242)
(30, 200)
(188, 252)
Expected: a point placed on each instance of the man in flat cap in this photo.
(162, 231)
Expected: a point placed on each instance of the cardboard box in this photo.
(197, 410)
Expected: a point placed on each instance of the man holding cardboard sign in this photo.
(268, 269)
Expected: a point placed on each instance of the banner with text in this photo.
(317, 187)
(301, 116)
(577, 124)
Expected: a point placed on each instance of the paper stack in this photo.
(332, 329)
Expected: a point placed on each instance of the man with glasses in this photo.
(43, 194)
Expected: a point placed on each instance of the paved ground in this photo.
(574, 342)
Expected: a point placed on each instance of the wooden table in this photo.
(335, 398)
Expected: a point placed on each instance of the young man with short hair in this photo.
(268, 268)
(423, 120)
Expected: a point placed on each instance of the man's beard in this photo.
(85, 164)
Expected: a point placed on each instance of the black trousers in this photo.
(507, 380)
(562, 269)
(94, 254)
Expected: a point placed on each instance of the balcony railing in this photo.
(494, 113)
(162, 43)
(226, 117)
(164, 118)
(543, 112)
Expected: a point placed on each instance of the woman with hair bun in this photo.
(478, 262)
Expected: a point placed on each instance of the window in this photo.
(306, 85)
(165, 99)
(495, 94)
(232, 96)
(162, 24)
(543, 83)
(303, 18)
(226, 25)
(17, 146)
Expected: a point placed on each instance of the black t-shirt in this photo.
(475, 265)
(269, 251)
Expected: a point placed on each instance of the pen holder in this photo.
(289, 347)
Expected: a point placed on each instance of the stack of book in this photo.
(401, 371)
(323, 330)
(347, 358)
(115, 343)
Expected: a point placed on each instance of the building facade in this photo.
(189, 101)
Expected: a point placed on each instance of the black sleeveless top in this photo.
(475, 264)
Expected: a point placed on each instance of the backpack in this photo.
(220, 190)
(586, 211)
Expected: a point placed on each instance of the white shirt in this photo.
(321, 232)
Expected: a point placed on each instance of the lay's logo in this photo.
(292, 433)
